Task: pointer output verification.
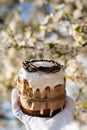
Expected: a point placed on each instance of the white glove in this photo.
(60, 121)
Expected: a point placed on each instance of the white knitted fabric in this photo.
(61, 121)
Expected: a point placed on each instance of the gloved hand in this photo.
(60, 121)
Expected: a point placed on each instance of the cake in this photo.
(41, 85)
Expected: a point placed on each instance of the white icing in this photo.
(32, 106)
(51, 111)
(41, 79)
(41, 111)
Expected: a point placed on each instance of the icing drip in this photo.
(51, 111)
(32, 106)
(41, 111)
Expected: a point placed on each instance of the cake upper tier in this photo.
(40, 77)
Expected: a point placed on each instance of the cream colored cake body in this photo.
(41, 93)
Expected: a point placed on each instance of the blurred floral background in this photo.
(43, 29)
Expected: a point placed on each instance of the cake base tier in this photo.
(46, 112)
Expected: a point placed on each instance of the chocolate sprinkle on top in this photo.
(29, 66)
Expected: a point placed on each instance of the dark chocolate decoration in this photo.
(30, 67)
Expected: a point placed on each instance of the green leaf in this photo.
(83, 36)
(65, 61)
(79, 42)
(17, 47)
(59, 54)
(85, 105)
(51, 45)
(23, 26)
(78, 28)
(38, 27)
(67, 15)
(9, 81)
(68, 77)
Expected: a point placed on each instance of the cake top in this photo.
(46, 66)
(41, 73)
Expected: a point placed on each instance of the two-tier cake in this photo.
(41, 85)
